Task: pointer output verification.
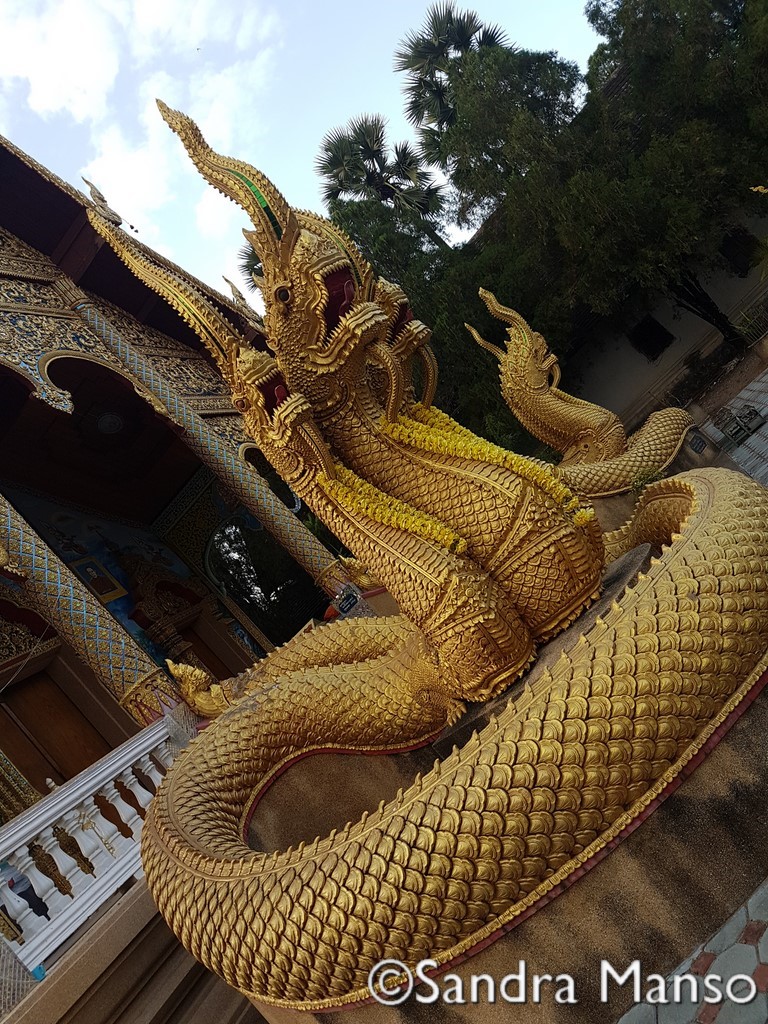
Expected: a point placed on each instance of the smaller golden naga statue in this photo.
(598, 459)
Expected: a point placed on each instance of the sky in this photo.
(264, 81)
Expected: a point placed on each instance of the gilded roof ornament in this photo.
(101, 204)
(242, 305)
(217, 333)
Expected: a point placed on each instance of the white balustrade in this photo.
(128, 814)
(148, 768)
(72, 856)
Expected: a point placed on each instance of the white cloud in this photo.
(67, 53)
(190, 27)
(141, 172)
(103, 62)
(225, 101)
(217, 218)
(257, 26)
(5, 117)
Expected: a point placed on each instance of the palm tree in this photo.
(426, 56)
(355, 162)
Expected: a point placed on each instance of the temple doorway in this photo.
(117, 495)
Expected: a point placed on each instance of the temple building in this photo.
(139, 524)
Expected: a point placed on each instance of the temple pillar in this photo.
(55, 593)
(215, 451)
(16, 792)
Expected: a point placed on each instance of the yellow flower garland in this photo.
(433, 431)
(357, 495)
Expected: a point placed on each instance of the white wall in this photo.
(616, 375)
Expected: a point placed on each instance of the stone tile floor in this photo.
(740, 947)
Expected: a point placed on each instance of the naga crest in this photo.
(527, 356)
(279, 419)
(581, 431)
(323, 303)
(281, 422)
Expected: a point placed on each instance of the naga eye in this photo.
(283, 294)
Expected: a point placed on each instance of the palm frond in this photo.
(406, 163)
(430, 147)
(493, 35)
(248, 263)
(464, 27)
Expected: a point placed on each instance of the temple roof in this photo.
(51, 216)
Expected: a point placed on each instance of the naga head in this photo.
(318, 289)
(527, 360)
(406, 337)
(279, 420)
(281, 423)
(323, 303)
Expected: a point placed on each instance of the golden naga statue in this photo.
(556, 775)
(598, 459)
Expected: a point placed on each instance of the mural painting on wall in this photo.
(100, 582)
(140, 580)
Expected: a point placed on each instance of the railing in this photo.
(77, 846)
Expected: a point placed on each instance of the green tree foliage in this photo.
(429, 57)
(634, 197)
(356, 162)
(534, 101)
(664, 152)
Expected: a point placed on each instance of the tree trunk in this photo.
(430, 232)
(690, 294)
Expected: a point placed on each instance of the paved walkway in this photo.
(740, 947)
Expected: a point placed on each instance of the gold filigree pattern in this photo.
(16, 792)
(54, 591)
(34, 333)
(15, 639)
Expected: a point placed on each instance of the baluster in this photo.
(143, 796)
(80, 828)
(24, 861)
(162, 753)
(47, 855)
(69, 846)
(127, 813)
(64, 834)
(29, 922)
(112, 839)
(147, 767)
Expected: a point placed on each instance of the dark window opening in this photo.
(278, 486)
(650, 338)
(740, 250)
(263, 578)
